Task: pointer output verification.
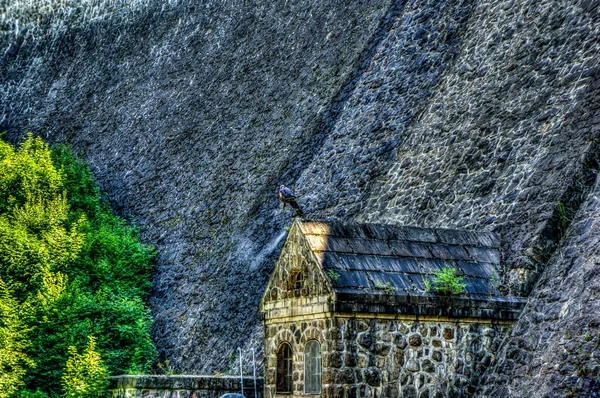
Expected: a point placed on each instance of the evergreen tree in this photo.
(73, 267)
(85, 374)
(13, 360)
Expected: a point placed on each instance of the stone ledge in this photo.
(192, 383)
(500, 308)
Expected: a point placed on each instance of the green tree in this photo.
(13, 360)
(34, 236)
(85, 374)
(74, 268)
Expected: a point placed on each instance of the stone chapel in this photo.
(350, 311)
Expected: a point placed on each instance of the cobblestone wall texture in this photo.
(460, 113)
(554, 349)
(387, 358)
(478, 118)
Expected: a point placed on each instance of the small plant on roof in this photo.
(333, 275)
(445, 281)
(427, 285)
(386, 287)
(495, 279)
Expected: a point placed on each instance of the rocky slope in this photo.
(459, 113)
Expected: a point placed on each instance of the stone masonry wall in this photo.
(476, 118)
(297, 260)
(364, 357)
(554, 349)
(470, 114)
(508, 133)
(189, 112)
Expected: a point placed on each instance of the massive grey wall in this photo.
(554, 349)
(492, 141)
(458, 113)
(507, 135)
(189, 112)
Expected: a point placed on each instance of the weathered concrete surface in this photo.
(473, 114)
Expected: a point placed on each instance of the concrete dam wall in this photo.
(460, 114)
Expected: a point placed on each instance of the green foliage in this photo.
(30, 394)
(446, 282)
(85, 374)
(166, 368)
(333, 275)
(74, 268)
(427, 285)
(232, 358)
(563, 219)
(386, 287)
(13, 360)
(495, 279)
(33, 211)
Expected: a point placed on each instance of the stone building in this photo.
(349, 312)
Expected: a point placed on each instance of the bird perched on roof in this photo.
(287, 197)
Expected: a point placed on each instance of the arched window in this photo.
(312, 368)
(284, 369)
(297, 280)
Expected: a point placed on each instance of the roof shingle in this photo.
(397, 260)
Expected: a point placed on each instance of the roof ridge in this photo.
(395, 232)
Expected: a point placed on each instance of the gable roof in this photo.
(386, 265)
